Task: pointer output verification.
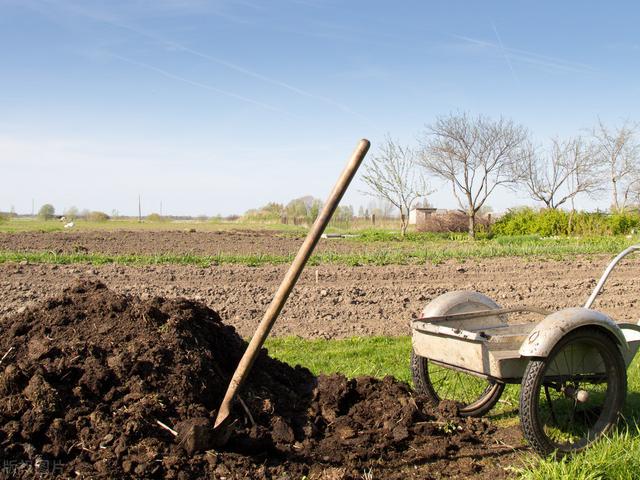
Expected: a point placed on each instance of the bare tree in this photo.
(392, 176)
(568, 169)
(381, 208)
(618, 150)
(475, 155)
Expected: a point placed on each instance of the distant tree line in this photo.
(48, 212)
(72, 214)
(303, 210)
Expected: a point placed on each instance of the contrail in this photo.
(198, 84)
(504, 53)
(232, 66)
(531, 57)
(259, 76)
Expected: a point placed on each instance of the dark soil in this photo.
(122, 242)
(87, 376)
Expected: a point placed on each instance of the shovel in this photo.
(220, 431)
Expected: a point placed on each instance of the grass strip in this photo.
(374, 356)
(409, 253)
(136, 260)
(614, 457)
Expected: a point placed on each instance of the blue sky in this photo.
(219, 106)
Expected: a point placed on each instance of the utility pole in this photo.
(139, 210)
(33, 207)
(160, 207)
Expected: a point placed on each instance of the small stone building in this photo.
(418, 216)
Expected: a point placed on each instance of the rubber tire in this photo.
(532, 429)
(422, 384)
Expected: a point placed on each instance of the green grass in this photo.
(25, 224)
(615, 457)
(134, 259)
(16, 225)
(411, 252)
(375, 356)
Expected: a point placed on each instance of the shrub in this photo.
(4, 217)
(271, 212)
(526, 221)
(97, 217)
(341, 217)
(46, 212)
(451, 222)
(584, 223)
(550, 222)
(155, 217)
(71, 213)
(622, 223)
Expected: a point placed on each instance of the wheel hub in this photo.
(579, 395)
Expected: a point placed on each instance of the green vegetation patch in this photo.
(15, 225)
(132, 259)
(375, 356)
(549, 222)
(614, 457)
(390, 253)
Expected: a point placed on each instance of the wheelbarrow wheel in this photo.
(574, 396)
(475, 396)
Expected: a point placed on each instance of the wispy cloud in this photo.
(253, 74)
(194, 83)
(528, 57)
(115, 21)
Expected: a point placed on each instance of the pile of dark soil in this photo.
(86, 378)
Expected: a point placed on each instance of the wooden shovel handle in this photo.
(289, 281)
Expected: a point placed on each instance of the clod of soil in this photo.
(91, 380)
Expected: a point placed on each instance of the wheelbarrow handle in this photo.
(607, 272)
(289, 281)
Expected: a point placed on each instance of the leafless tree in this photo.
(381, 208)
(619, 151)
(568, 169)
(475, 155)
(392, 176)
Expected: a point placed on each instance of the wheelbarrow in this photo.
(571, 365)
